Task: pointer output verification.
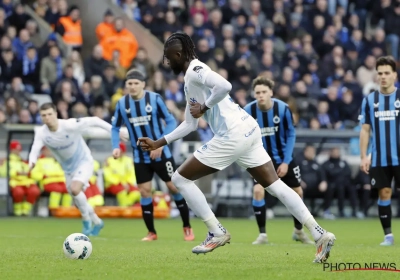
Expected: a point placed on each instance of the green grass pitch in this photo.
(32, 249)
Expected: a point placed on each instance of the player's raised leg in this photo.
(260, 213)
(191, 170)
(267, 177)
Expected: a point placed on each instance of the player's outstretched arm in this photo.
(219, 88)
(188, 125)
(35, 150)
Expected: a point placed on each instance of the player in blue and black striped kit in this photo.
(278, 135)
(380, 117)
(143, 112)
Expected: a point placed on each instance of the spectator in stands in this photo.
(78, 73)
(68, 75)
(105, 28)
(19, 18)
(338, 176)
(33, 109)
(66, 91)
(110, 82)
(40, 7)
(392, 27)
(120, 70)
(117, 96)
(51, 69)
(95, 64)
(79, 110)
(24, 190)
(10, 67)
(131, 8)
(121, 40)
(24, 117)
(7, 6)
(3, 22)
(53, 12)
(143, 63)
(63, 109)
(22, 43)
(18, 92)
(50, 42)
(366, 72)
(31, 70)
(85, 96)
(175, 94)
(98, 90)
(12, 109)
(313, 178)
(34, 35)
(70, 28)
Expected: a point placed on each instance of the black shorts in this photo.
(382, 177)
(164, 169)
(292, 177)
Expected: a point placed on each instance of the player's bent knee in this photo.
(385, 193)
(299, 191)
(179, 181)
(145, 189)
(171, 187)
(258, 192)
(76, 187)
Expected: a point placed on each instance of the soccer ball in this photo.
(77, 246)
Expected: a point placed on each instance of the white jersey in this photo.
(67, 144)
(225, 115)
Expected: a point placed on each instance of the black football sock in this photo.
(260, 213)
(147, 213)
(385, 215)
(183, 209)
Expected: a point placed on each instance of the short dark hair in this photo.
(260, 80)
(386, 60)
(135, 74)
(48, 105)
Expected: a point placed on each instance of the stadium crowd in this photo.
(321, 53)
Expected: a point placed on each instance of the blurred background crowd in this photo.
(321, 53)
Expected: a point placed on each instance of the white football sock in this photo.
(296, 207)
(86, 209)
(196, 200)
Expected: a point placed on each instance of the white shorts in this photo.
(245, 148)
(81, 174)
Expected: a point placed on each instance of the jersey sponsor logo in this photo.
(197, 69)
(139, 121)
(269, 131)
(250, 132)
(63, 147)
(387, 115)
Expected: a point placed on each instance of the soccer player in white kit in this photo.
(64, 139)
(237, 138)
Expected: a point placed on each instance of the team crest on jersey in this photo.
(148, 108)
(376, 105)
(193, 100)
(373, 182)
(276, 119)
(397, 104)
(128, 110)
(197, 69)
